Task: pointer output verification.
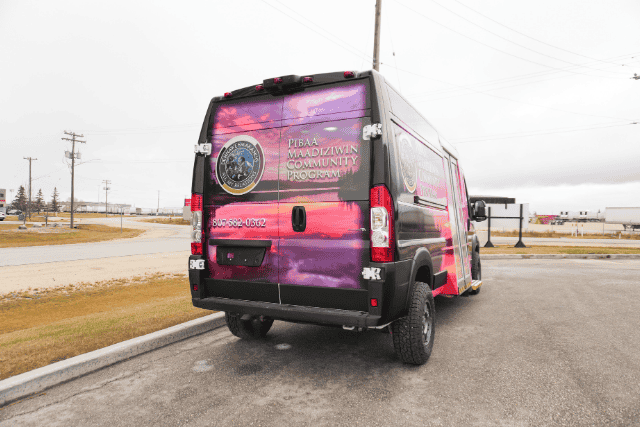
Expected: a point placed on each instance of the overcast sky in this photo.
(537, 96)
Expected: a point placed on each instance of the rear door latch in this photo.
(371, 131)
(299, 218)
(204, 149)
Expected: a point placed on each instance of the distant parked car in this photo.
(2, 216)
(14, 212)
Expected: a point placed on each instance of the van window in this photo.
(328, 102)
(410, 117)
(299, 147)
(422, 168)
(323, 156)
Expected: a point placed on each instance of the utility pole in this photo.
(72, 156)
(376, 37)
(106, 198)
(29, 205)
(158, 211)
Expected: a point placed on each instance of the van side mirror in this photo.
(479, 211)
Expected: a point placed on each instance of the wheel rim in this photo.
(426, 324)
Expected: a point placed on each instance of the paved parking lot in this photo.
(546, 342)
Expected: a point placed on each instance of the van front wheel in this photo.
(253, 328)
(413, 334)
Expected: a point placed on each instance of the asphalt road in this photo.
(175, 238)
(546, 342)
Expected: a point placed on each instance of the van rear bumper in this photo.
(295, 313)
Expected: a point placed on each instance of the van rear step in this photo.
(475, 285)
(324, 316)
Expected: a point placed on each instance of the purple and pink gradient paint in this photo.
(331, 251)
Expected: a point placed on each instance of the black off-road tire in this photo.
(413, 334)
(476, 271)
(254, 328)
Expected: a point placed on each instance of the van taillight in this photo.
(196, 224)
(382, 237)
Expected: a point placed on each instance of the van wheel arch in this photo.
(421, 272)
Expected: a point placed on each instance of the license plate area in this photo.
(249, 257)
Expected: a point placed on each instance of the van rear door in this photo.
(324, 196)
(242, 199)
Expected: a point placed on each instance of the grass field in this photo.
(86, 233)
(506, 249)
(42, 327)
(169, 220)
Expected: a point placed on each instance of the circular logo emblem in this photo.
(408, 162)
(240, 165)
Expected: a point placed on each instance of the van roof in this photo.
(291, 83)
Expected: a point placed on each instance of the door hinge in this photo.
(204, 149)
(371, 131)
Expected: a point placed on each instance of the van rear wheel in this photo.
(251, 329)
(413, 334)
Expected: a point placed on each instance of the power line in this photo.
(502, 97)
(534, 133)
(507, 79)
(341, 40)
(340, 44)
(533, 38)
(494, 48)
(508, 40)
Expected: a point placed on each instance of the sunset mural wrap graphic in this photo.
(314, 157)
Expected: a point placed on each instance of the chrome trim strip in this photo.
(425, 205)
(420, 242)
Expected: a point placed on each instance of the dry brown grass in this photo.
(41, 218)
(11, 237)
(85, 215)
(170, 221)
(504, 249)
(553, 234)
(41, 327)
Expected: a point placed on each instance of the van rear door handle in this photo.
(299, 218)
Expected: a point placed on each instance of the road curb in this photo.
(48, 376)
(560, 256)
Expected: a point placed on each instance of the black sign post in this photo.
(519, 244)
(489, 244)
